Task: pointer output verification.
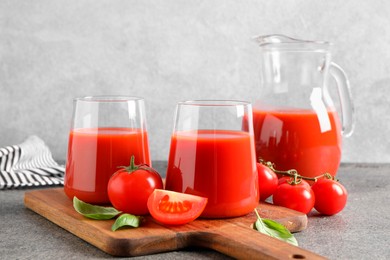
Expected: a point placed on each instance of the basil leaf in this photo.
(274, 229)
(93, 211)
(126, 220)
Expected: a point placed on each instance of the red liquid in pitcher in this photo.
(95, 154)
(216, 164)
(299, 139)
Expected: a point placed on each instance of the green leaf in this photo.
(93, 211)
(126, 220)
(274, 229)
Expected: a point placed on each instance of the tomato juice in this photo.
(217, 164)
(304, 140)
(94, 154)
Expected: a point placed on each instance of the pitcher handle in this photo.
(344, 91)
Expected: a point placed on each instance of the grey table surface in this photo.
(360, 231)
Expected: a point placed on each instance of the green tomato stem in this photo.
(132, 167)
(297, 178)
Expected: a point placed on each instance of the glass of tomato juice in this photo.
(105, 132)
(212, 154)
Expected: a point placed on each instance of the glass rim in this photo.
(214, 103)
(291, 44)
(108, 98)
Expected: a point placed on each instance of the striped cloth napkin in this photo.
(29, 164)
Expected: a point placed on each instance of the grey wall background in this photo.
(172, 50)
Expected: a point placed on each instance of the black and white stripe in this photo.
(29, 164)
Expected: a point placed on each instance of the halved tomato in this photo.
(175, 208)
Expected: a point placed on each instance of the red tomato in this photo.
(129, 188)
(175, 208)
(298, 197)
(268, 181)
(331, 196)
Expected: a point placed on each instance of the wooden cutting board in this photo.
(234, 237)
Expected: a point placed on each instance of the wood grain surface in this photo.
(234, 237)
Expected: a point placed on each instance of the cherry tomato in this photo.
(130, 187)
(175, 208)
(298, 197)
(331, 196)
(268, 181)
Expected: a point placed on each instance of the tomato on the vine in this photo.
(331, 196)
(175, 208)
(268, 181)
(298, 197)
(130, 187)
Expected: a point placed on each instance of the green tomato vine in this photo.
(296, 178)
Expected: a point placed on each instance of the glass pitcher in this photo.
(295, 121)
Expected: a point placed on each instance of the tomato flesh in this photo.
(175, 208)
